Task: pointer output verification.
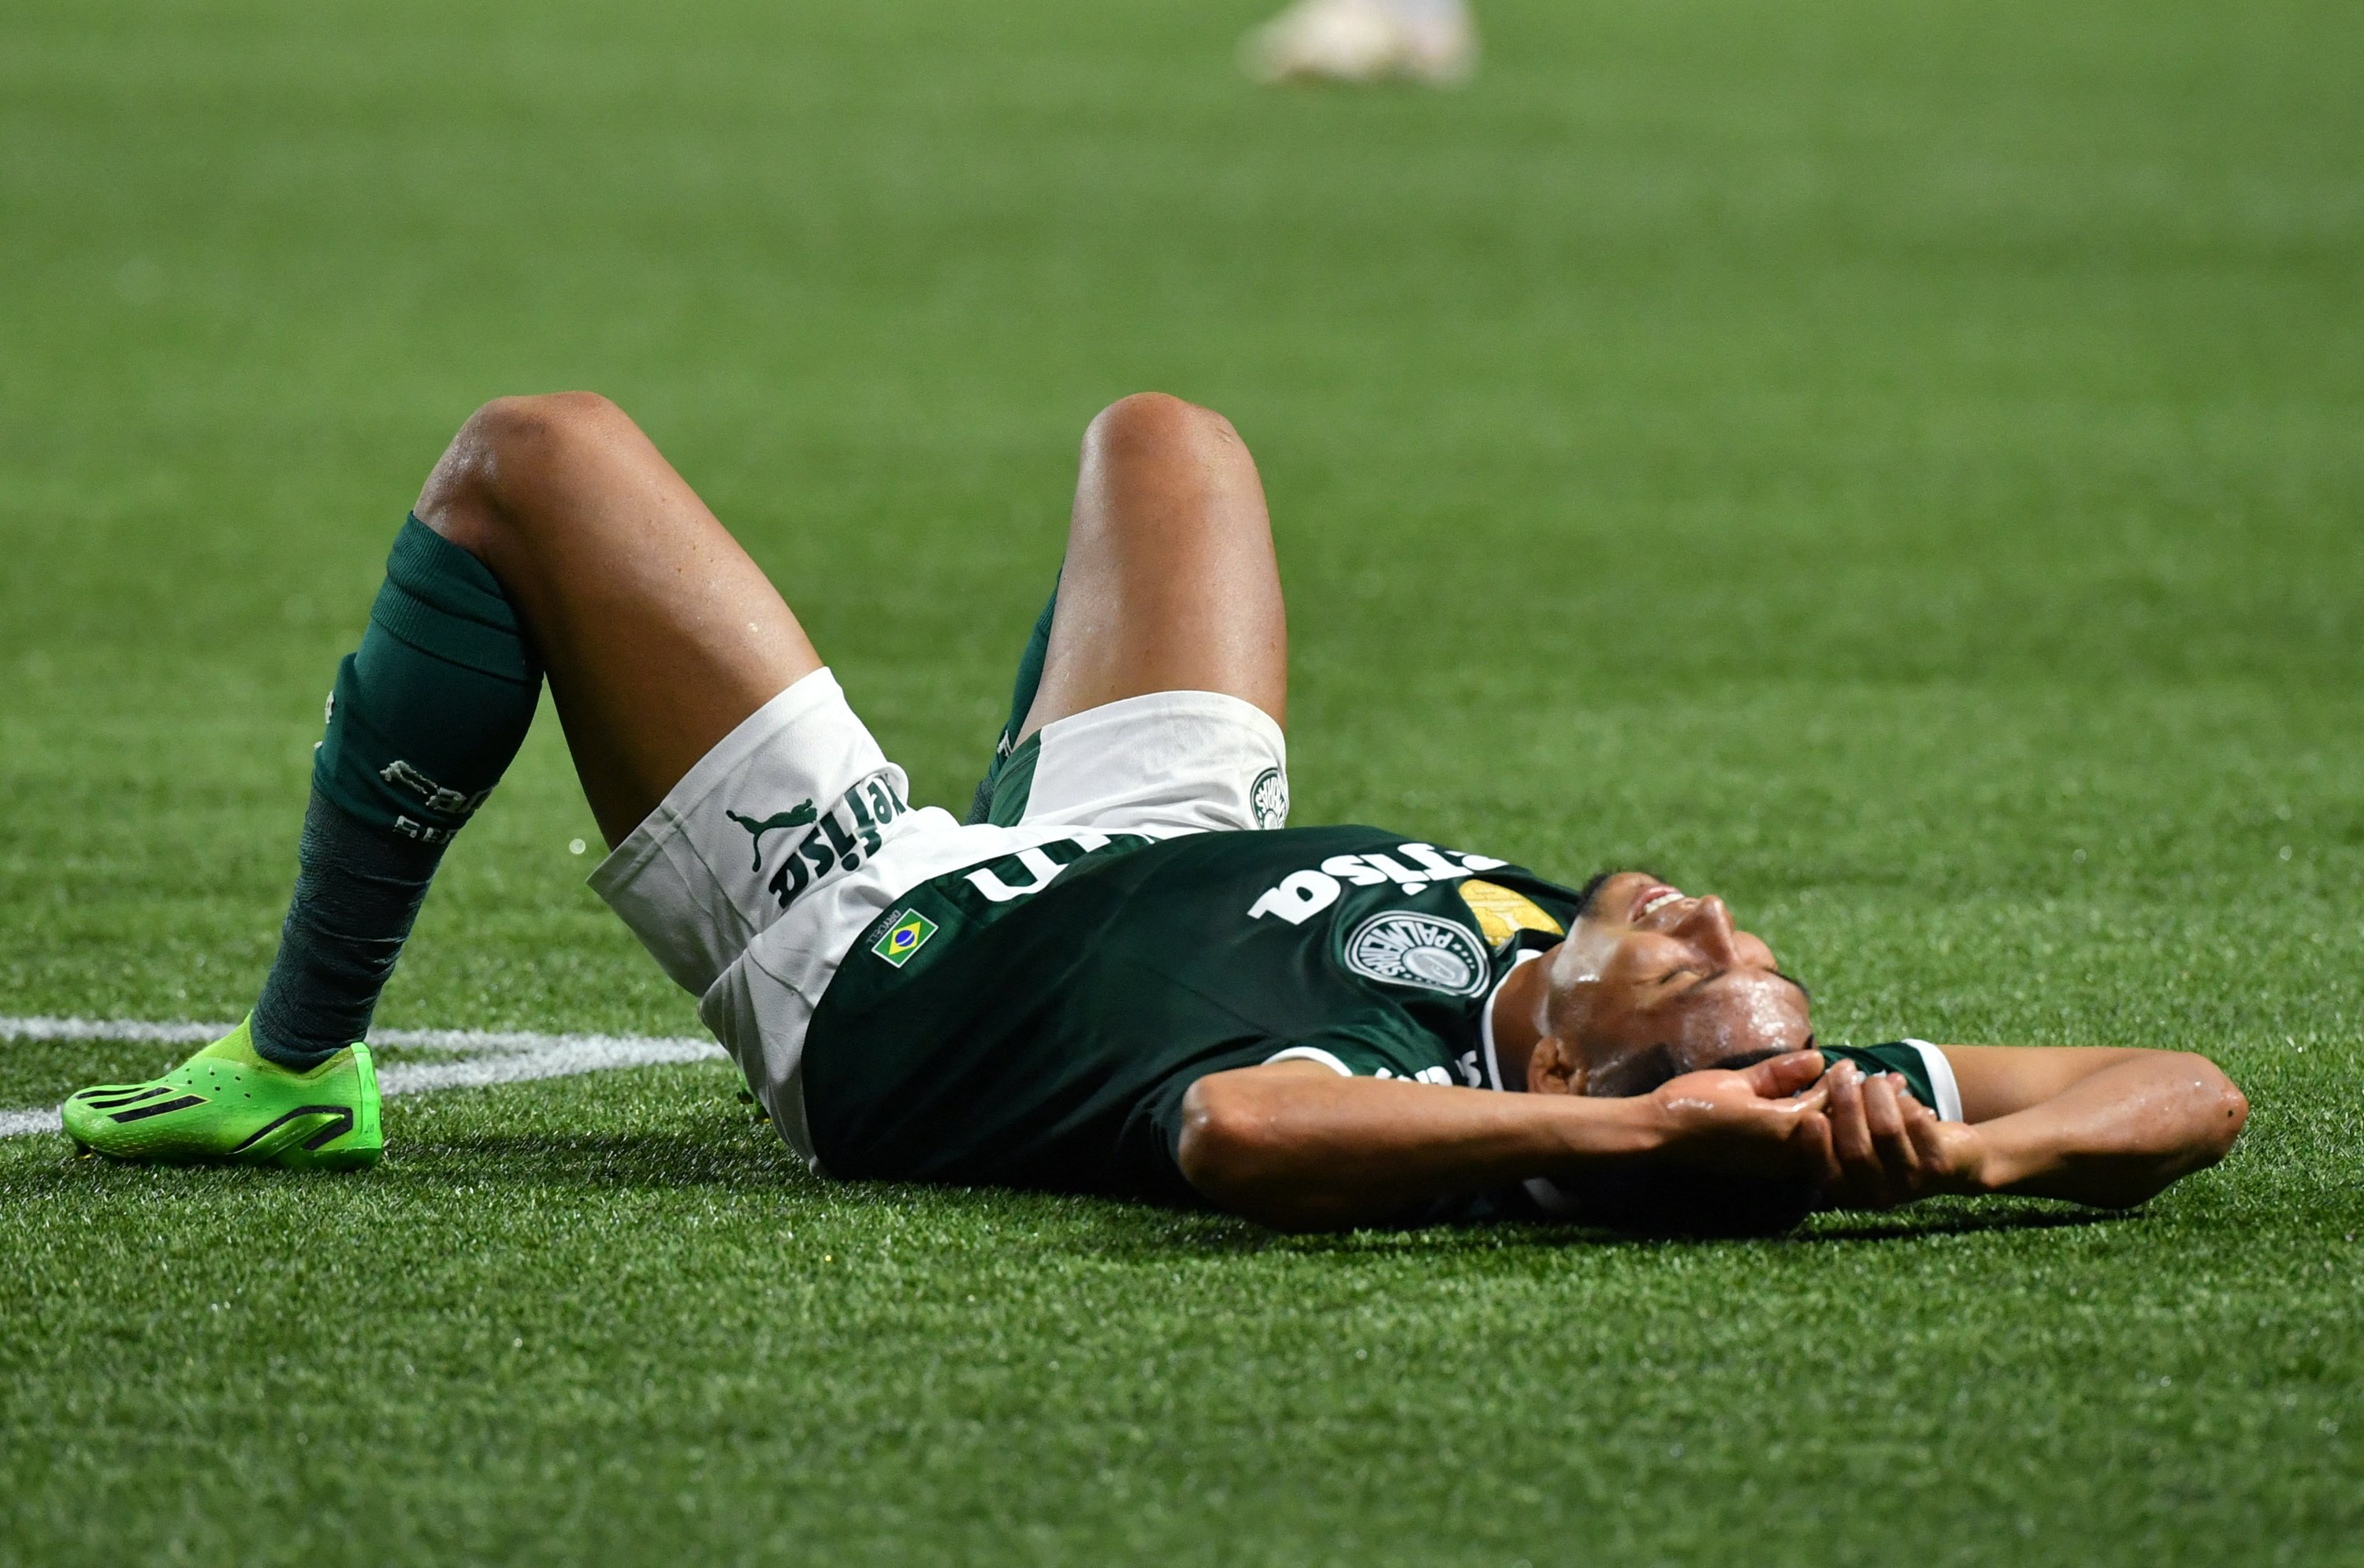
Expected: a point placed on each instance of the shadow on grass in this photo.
(613, 1160)
(1124, 1230)
(749, 1160)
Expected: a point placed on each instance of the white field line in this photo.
(481, 1056)
(560, 1056)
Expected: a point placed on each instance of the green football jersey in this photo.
(1036, 1020)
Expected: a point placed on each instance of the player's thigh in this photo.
(659, 634)
(1169, 582)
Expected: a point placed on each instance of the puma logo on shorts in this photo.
(795, 816)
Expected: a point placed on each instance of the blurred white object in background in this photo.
(1430, 41)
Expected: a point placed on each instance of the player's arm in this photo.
(2101, 1126)
(1301, 1148)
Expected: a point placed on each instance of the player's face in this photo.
(1649, 972)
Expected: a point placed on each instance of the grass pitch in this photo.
(1898, 465)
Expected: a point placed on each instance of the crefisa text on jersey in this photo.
(1301, 894)
(845, 832)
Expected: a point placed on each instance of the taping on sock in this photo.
(425, 719)
(428, 714)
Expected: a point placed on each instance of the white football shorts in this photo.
(752, 879)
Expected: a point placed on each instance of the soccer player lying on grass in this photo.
(1124, 976)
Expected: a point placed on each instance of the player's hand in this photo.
(1752, 1122)
(1887, 1148)
(1954, 1154)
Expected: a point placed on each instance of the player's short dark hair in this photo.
(1584, 894)
(1646, 1200)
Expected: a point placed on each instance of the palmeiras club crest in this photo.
(1421, 951)
(1269, 798)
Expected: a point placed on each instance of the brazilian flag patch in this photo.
(906, 935)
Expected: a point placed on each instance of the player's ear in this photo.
(1554, 1068)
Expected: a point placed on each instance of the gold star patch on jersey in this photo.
(1502, 913)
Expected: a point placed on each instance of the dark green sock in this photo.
(424, 718)
(1021, 703)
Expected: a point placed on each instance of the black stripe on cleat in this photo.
(116, 1099)
(329, 1134)
(144, 1112)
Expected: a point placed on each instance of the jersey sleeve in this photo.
(1923, 1067)
(1372, 1050)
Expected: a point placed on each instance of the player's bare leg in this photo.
(658, 633)
(1170, 582)
(552, 538)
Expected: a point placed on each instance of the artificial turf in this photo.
(1897, 466)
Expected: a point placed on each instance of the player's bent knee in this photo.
(1157, 424)
(507, 451)
(513, 438)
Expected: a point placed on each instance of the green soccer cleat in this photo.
(227, 1105)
